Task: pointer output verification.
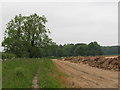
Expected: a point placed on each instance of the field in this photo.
(67, 72)
(19, 73)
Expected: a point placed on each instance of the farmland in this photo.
(30, 58)
(69, 72)
(19, 73)
(85, 76)
(90, 71)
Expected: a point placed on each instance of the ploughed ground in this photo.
(84, 76)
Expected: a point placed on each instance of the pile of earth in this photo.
(112, 63)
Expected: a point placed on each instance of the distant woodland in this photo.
(27, 36)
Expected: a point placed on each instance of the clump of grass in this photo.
(19, 71)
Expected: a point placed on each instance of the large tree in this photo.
(25, 34)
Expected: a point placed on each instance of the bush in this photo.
(8, 56)
(19, 71)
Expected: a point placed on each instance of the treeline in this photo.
(27, 36)
(53, 51)
(79, 49)
(111, 50)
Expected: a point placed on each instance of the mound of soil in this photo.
(108, 63)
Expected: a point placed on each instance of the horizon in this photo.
(2, 48)
(84, 22)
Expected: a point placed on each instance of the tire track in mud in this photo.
(85, 72)
(82, 77)
(86, 78)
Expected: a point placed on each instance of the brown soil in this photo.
(83, 76)
(107, 63)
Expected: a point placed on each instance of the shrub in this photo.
(8, 56)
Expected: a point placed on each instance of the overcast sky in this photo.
(78, 22)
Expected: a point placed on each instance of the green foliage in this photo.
(81, 50)
(8, 56)
(68, 49)
(94, 49)
(111, 50)
(25, 32)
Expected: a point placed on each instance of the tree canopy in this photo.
(24, 34)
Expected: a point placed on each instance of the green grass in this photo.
(48, 75)
(10, 79)
(19, 73)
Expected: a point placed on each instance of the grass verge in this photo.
(48, 75)
(19, 73)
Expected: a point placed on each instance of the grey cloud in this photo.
(72, 22)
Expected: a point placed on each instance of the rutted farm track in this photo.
(84, 76)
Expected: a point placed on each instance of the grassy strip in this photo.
(19, 73)
(48, 75)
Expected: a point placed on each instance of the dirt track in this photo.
(35, 81)
(84, 76)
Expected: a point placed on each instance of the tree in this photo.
(81, 50)
(111, 50)
(94, 49)
(68, 49)
(26, 34)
